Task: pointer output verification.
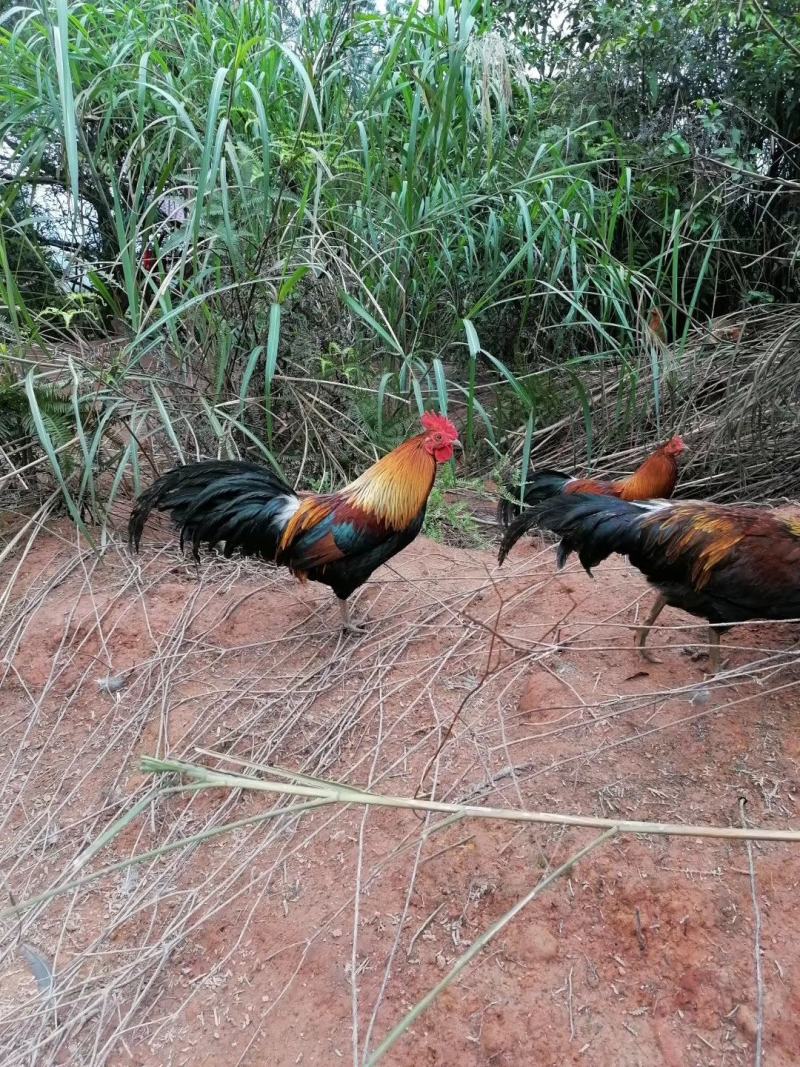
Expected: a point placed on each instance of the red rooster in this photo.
(655, 478)
(724, 563)
(338, 539)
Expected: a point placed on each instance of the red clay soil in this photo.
(303, 938)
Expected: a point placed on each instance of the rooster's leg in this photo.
(644, 630)
(713, 650)
(347, 623)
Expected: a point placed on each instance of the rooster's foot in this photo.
(646, 654)
(349, 624)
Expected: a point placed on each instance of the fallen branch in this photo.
(344, 794)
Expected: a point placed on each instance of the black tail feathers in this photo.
(594, 526)
(242, 504)
(540, 486)
(518, 527)
(517, 520)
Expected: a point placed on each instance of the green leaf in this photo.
(288, 285)
(358, 308)
(45, 439)
(68, 117)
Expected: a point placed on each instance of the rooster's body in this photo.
(656, 478)
(338, 539)
(724, 563)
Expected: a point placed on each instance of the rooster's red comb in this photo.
(434, 422)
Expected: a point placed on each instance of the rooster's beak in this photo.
(458, 445)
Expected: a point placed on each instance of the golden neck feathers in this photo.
(396, 488)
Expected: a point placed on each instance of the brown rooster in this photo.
(655, 478)
(724, 563)
(338, 539)
(657, 326)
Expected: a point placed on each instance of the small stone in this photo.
(111, 684)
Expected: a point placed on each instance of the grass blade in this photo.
(478, 945)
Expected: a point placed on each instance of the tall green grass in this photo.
(386, 184)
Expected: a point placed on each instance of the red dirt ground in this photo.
(303, 938)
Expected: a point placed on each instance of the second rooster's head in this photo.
(441, 436)
(675, 446)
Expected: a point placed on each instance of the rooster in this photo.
(657, 326)
(721, 562)
(338, 539)
(656, 477)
